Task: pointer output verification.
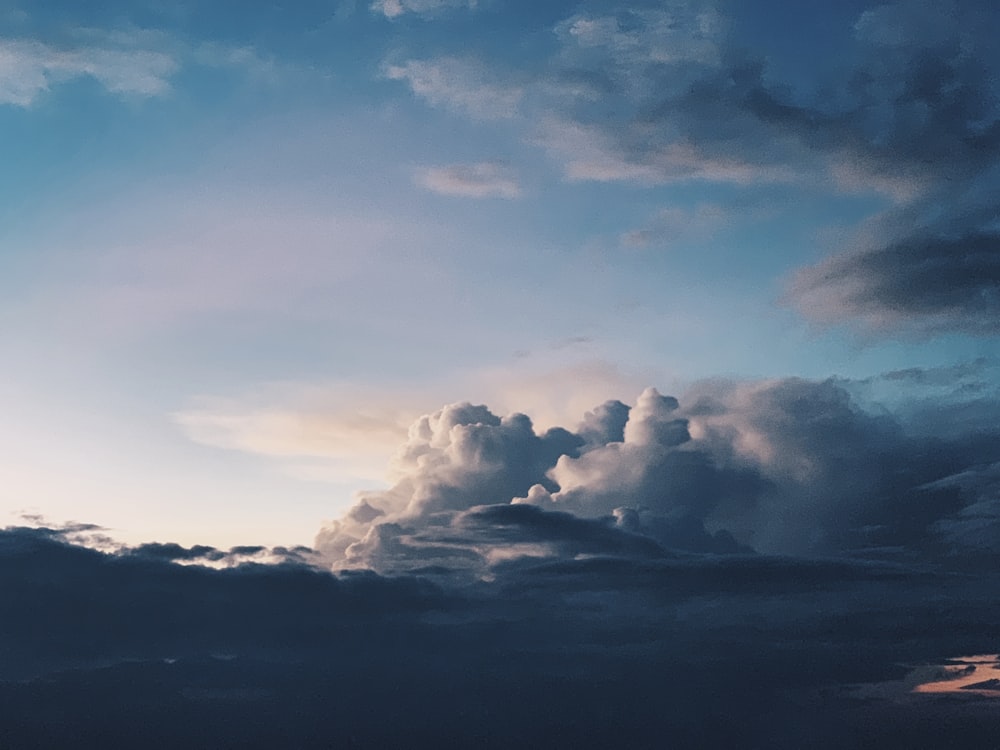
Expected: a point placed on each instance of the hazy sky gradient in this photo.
(244, 246)
(499, 373)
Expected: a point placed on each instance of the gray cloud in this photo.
(939, 277)
(631, 646)
(909, 110)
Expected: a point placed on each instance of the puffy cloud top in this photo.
(786, 466)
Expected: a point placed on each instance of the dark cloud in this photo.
(909, 109)
(947, 375)
(174, 552)
(113, 649)
(927, 281)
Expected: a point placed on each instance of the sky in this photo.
(677, 309)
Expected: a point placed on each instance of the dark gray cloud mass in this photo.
(631, 646)
(929, 277)
(907, 106)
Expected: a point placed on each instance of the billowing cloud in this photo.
(462, 85)
(337, 430)
(777, 528)
(478, 180)
(787, 466)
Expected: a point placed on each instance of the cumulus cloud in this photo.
(128, 62)
(680, 31)
(787, 466)
(335, 430)
(29, 68)
(462, 85)
(478, 180)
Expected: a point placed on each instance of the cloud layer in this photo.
(127, 648)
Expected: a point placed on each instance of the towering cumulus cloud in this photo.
(786, 466)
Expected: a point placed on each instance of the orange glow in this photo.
(961, 675)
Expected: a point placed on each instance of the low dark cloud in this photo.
(111, 649)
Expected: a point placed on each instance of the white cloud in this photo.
(463, 86)
(588, 154)
(683, 32)
(593, 154)
(478, 180)
(343, 431)
(396, 8)
(29, 68)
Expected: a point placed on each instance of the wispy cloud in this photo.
(331, 432)
(30, 68)
(461, 85)
(925, 268)
(680, 94)
(478, 180)
(397, 8)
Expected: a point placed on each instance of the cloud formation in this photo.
(917, 115)
(933, 277)
(478, 180)
(397, 8)
(30, 68)
(781, 467)
(462, 85)
(910, 114)
(578, 648)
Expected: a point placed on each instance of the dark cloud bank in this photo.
(905, 104)
(719, 571)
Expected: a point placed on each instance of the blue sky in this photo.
(244, 246)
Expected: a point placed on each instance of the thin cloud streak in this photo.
(477, 180)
